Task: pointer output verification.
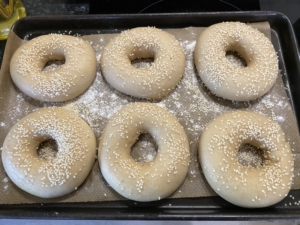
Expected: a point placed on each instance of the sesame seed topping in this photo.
(219, 151)
(226, 79)
(169, 164)
(153, 81)
(56, 81)
(52, 168)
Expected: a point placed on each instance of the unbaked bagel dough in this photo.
(246, 186)
(227, 80)
(140, 181)
(64, 83)
(150, 82)
(56, 176)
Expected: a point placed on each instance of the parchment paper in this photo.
(191, 102)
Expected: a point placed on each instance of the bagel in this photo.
(140, 181)
(246, 186)
(49, 177)
(64, 83)
(227, 80)
(151, 82)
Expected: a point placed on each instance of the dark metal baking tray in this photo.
(205, 208)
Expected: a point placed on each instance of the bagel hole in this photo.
(53, 65)
(144, 149)
(236, 59)
(47, 149)
(251, 156)
(142, 62)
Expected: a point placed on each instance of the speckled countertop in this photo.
(56, 7)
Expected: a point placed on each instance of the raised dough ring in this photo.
(49, 177)
(246, 186)
(224, 78)
(144, 181)
(150, 82)
(61, 84)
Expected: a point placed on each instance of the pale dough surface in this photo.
(61, 84)
(226, 79)
(154, 81)
(246, 186)
(139, 181)
(49, 177)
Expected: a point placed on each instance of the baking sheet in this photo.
(191, 18)
(191, 102)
